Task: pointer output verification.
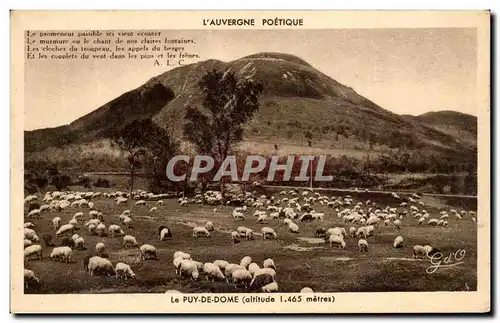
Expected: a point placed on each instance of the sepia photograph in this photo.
(251, 159)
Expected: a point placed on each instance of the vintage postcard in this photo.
(250, 162)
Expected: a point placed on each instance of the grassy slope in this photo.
(321, 269)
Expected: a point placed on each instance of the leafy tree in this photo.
(216, 126)
(132, 139)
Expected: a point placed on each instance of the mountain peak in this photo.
(277, 56)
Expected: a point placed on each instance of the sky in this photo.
(406, 71)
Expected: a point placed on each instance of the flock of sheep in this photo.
(292, 209)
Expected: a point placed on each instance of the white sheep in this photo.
(27, 243)
(268, 232)
(102, 264)
(337, 240)
(265, 271)
(190, 268)
(159, 202)
(66, 228)
(56, 222)
(92, 229)
(78, 216)
(253, 268)
(61, 253)
(182, 255)
(113, 229)
(230, 268)
(146, 250)
(397, 224)
(123, 270)
(269, 288)
(140, 202)
(269, 263)
(30, 277)
(30, 234)
(241, 276)
(100, 248)
(29, 225)
(238, 216)
(200, 231)
(419, 250)
(153, 209)
(34, 213)
(245, 261)
(337, 231)
(432, 222)
(306, 290)
(209, 226)
(235, 236)
(363, 245)
(79, 243)
(213, 272)
(292, 227)
(222, 264)
(398, 242)
(352, 232)
(129, 241)
(35, 249)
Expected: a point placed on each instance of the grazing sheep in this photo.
(113, 229)
(153, 209)
(148, 252)
(78, 216)
(253, 268)
(336, 231)
(165, 233)
(129, 241)
(352, 232)
(159, 202)
(398, 242)
(61, 253)
(235, 237)
(35, 249)
(140, 202)
(306, 290)
(64, 229)
(182, 255)
(432, 222)
(79, 243)
(92, 230)
(30, 279)
(29, 225)
(190, 268)
(268, 232)
(101, 265)
(213, 272)
(230, 268)
(127, 221)
(200, 231)
(397, 224)
(209, 226)
(100, 248)
(222, 264)
(123, 270)
(294, 228)
(56, 222)
(419, 250)
(421, 220)
(245, 261)
(272, 287)
(337, 240)
(30, 234)
(242, 276)
(363, 245)
(269, 263)
(27, 243)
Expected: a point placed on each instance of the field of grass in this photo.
(300, 260)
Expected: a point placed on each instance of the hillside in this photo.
(297, 98)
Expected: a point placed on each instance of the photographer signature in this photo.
(439, 261)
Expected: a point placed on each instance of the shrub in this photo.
(101, 182)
